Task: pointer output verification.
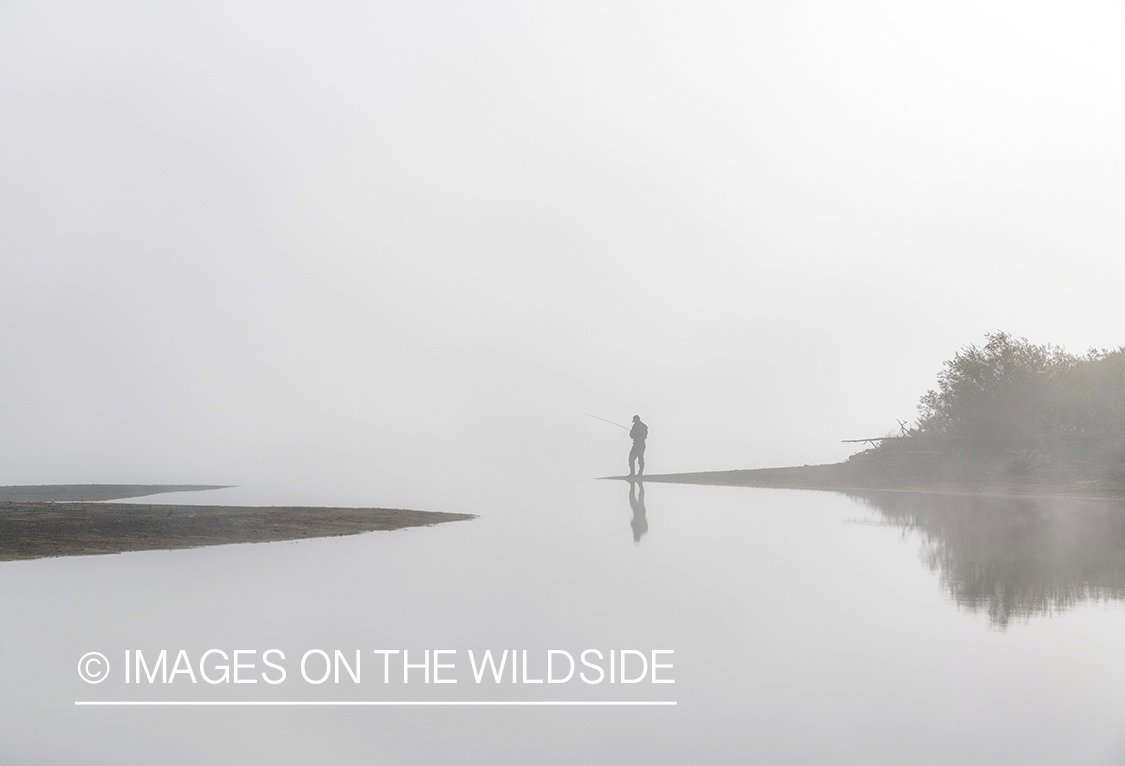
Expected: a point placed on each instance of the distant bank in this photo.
(72, 493)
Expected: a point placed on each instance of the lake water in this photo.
(806, 627)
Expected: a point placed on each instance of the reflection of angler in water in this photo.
(637, 503)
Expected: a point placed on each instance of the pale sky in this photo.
(355, 243)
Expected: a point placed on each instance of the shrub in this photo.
(1011, 392)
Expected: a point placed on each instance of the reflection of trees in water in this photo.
(1015, 556)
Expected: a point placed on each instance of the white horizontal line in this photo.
(385, 703)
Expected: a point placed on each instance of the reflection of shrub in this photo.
(1015, 557)
(1012, 394)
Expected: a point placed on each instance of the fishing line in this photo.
(596, 417)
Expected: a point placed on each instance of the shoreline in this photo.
(33, 530)
(845, 477)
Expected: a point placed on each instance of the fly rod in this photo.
(595, 417)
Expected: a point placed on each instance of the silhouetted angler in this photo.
(639, 432)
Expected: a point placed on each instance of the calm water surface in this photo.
(807, 628)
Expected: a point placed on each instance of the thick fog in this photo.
(348, 252)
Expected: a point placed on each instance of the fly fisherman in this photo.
(639, 432)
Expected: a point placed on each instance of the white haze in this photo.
(349, 251)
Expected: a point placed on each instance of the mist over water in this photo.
(789, 612)
(283, 245)
(392, 256)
